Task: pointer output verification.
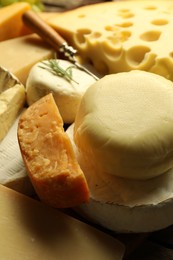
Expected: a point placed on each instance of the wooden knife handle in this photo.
(37, 25)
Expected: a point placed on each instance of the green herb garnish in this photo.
(54, 67)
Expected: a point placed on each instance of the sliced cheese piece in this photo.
(124, 125)
(49, 156)
(7, 79)
(121, 35)
(11, 102)
(67, 92)
(13, 172)
(125, 205)
(11, 24)
(20, 54)
(31, 230)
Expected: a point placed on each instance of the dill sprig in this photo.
(54, 67)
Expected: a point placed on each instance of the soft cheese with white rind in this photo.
(11, 103)
(13, 173)
(124, 125)
(120, 36)
(67, 93)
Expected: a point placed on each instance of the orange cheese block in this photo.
(11, 24)
(49, 156)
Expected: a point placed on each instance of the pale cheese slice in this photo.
(13, 172)
(20, 54)
(11, 24)
(122, 35)
(31, 230)
(11, 102)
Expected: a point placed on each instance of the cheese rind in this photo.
(13, 172)
(67, 93)
(20, 54)
(31, 230)
(49, 156)
(110, 35)
(11, 103)
(124, 125)
(125, 205)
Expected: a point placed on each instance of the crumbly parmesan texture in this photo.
(49, 156)
(122, 35)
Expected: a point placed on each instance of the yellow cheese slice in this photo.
(31, 230)
(122, 35)
(11, 102)
(20, 54)
(11, 24)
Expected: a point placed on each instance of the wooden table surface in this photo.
(155, 246)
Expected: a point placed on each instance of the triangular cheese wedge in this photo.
(11, 102)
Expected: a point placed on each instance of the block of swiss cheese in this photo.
(31, 230)
(122, 35)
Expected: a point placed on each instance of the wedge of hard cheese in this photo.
(11, 24)
(31, 230)
(11, 102)
(49, 156)
(20, 54)
(121, 35)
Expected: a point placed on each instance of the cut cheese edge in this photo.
(11, 24)
(20, 54)
(49, 156)
(67, 93)
(111, 37)
(12, 101)
(31, 230)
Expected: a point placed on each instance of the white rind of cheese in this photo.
(67, 94)
(11, 102)
(121, 35)
(125, 205)
(31, 230)
(13, 173)
(124, 125)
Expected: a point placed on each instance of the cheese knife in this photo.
(47, 33)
